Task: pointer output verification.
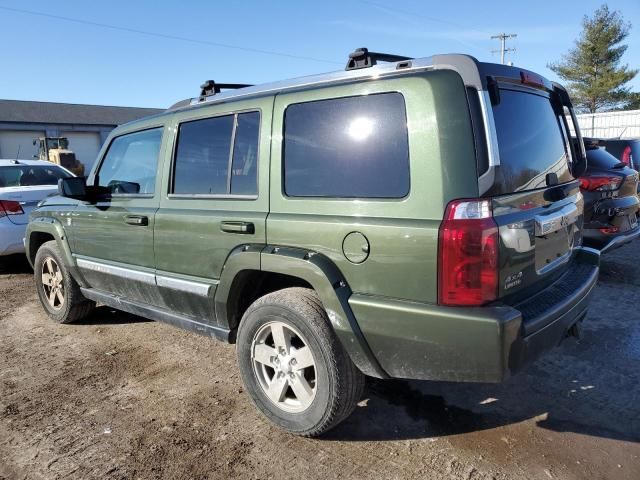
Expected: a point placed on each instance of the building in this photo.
(86, 126)
(625, 124)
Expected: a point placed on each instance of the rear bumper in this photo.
(607, 242)
(11, 236)
(479, 344)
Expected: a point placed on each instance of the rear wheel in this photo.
(57, 290)
(293, 365)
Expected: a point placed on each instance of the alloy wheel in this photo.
(284, 366)
(52, 283)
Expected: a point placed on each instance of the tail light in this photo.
(626, 156)
(609, 230)
(600, 184)
(468, 254)
(10, 207)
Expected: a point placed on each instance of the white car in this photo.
(23, 183)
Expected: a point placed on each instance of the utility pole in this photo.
(503, 40)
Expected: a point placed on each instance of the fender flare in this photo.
(54, 228)
(318, 271)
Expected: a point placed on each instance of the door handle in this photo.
(139, 220)
(238, 227)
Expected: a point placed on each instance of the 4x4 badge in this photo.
(513, 280)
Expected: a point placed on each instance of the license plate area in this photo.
(555, 236)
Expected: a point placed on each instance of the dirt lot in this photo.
(120, 397)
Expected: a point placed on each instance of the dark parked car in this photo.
(627, 150)
(611, 202)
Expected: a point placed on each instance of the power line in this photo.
(432, 19)
(167, 36)
(503, 40)
(426, 17)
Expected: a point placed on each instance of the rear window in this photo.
(600, 158)
(354, 147)
(530, 140)
(29, 175)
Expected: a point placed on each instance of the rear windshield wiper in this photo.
(619, 165)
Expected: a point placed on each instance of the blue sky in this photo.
(63, 61)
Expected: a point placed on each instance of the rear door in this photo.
(215, 199)
(537, 204)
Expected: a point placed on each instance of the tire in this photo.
(70, 305)
(305, 400)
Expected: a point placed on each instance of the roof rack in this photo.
(363, 58)
(210, 87)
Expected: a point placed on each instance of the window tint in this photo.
(203, 156)
(131, 162)
(20, 176)
(354, 147)
(245, 155)
(530, 141)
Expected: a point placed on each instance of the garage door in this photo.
(12, 142)
(85, 145)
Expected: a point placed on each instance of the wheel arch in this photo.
(252, 271)
(43, 229)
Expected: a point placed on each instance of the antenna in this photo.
(17, 155)
(503, 38)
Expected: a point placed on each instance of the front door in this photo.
(216, 201)
(113, 238)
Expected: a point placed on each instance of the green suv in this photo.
(404, 218)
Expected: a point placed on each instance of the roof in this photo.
(5, 162)
(69, 113)
(310, 81)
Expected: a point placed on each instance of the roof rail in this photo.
(210, 87)
(363, 58)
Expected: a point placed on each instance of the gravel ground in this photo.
(119, 397)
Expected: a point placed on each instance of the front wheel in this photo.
(58, 292)
(293, 365)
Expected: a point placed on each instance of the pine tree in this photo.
(595, 77)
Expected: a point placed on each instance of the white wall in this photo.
(610, 124)
(85, 145)
(13, 140)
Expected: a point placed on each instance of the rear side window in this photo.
(531, 142)
(218, 156)
(29, 175)
(355, 147)
(131, 163)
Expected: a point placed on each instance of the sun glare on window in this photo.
(361, 128)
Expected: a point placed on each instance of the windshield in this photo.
(531, 141)
(61, 143)
(29, 175)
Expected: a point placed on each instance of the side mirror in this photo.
(123, 187)
(73, 187)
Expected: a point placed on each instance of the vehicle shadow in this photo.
(14, 264)
(104, 315)
(403, 410)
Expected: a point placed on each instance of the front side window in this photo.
(354, 147)
(218, 156)
(131, 163)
